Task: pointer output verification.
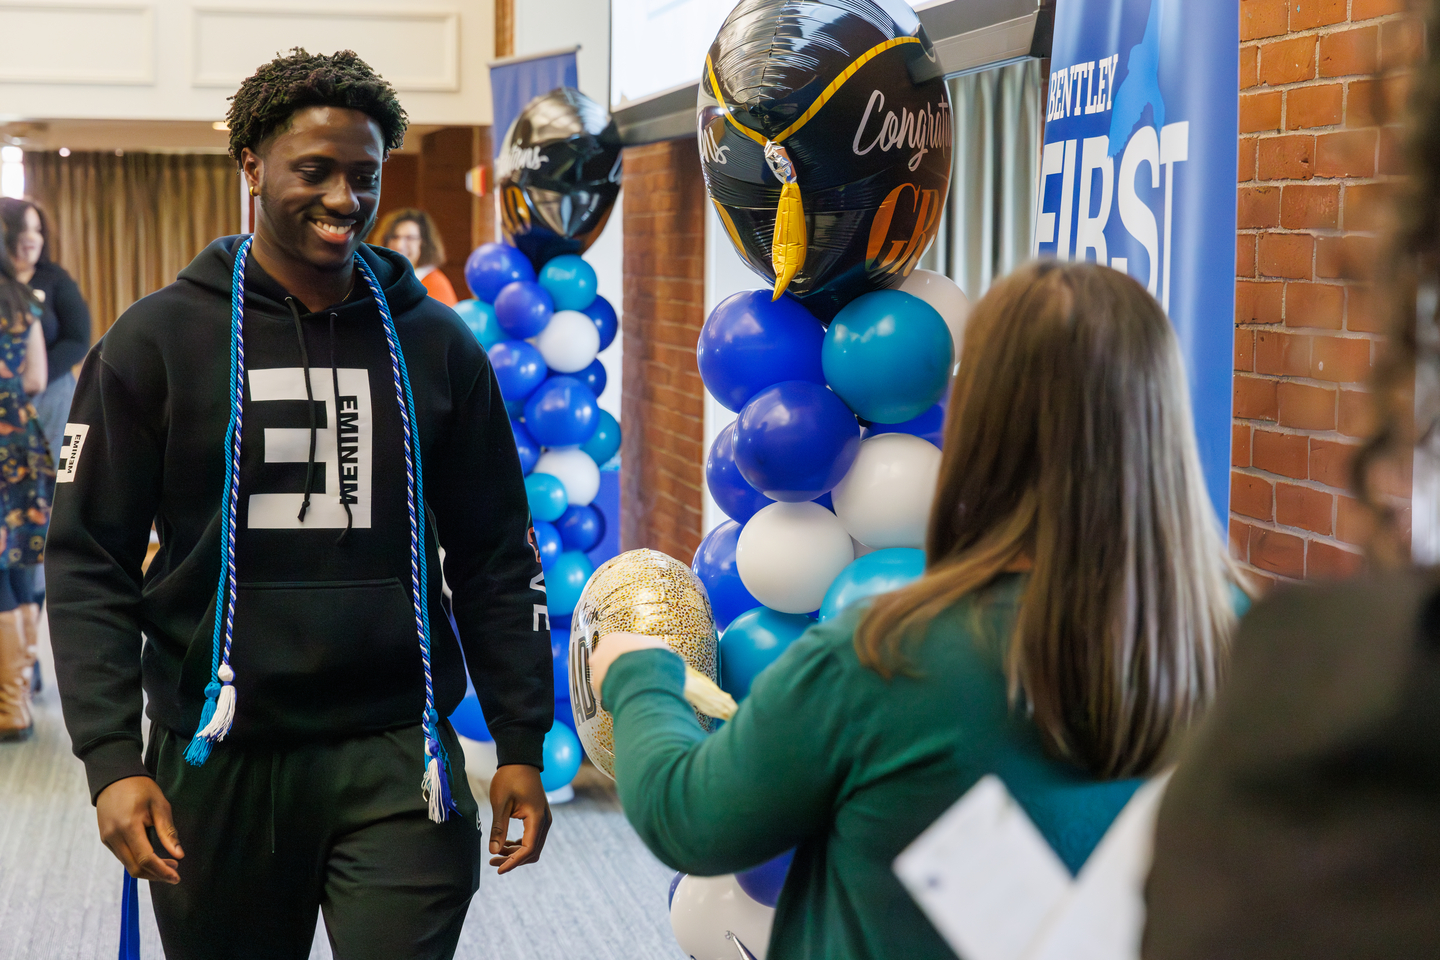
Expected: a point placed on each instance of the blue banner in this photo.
(516, 83)
(1138, 172)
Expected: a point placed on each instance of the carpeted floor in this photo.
(597, 893)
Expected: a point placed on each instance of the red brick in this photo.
(1249, 150)
(1303, 507)
(1305, 407)
(1249, 67)
(1245, 350)
(1357, 414)
(1348, 52)
(1364, 310)
(1263, 18)
(1280, 354)
(1363, 103)
(1392, 159)
(1251, 496)
(1288, 255)
(1348, 153)
(1287, 61)
(1368, 9)
(1340, 359)
(1283, 454)
(1281, 553)
(1239, 540)
(1401, 42)
(1255, 399)
(1314, 305)
(1287, 158)
(1316, 13)
(1354, 522)
(1259, 302)
(1367, 206)
(1345, 257)
(1245, 255)
(1239, 445)
(1260, 112)
(1318, 106)
(1326, 562)
(1307, 206)
(1330, 462)
(1257, 207)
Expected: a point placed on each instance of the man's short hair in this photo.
(267, 100)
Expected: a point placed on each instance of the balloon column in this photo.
(543, 324)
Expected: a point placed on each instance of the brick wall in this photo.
(662, 452)
(1314, 158)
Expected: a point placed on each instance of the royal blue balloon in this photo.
(570, 280)
(493, 265)
(930, 425)
(479, 318)
(675, 883)
(546, 497)
(795, 440)
(562, 412)
(752, 642)
(518, 367)
(548, 542)
(750, 342)
(593, 376)
(874, 573)
(525, 445)
(888, 355)
(564, 581)
(763, 883)
(714, 564)
(731, 491)
(581, 528)
(515, 409)
(561, 756)
(606, 320)
(523, 309)
(604, 443)
(825, 500)
(469, 720)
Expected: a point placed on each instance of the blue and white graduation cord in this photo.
(219, 710)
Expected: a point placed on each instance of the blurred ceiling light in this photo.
(219, 125)
(64, 151)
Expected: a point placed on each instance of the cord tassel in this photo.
(788, 244)
(215, 717)
(435, 785)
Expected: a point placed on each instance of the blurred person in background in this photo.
(412, 233)
(27, 482)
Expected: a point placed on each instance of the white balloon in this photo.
(788, 554)
(945, 296)
(703, 910)
(576, 471)
(569, 342)
(884, 500)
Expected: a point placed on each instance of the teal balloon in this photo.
(604, 443)
(888, 355)
(546, 495)
(561, 755)
(564, 580)
(752, 642)
(479, 317)
(570, 282)
(874, 573)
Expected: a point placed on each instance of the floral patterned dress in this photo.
(27, 472)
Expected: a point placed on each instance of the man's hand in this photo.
(124, 809)
(612, 647)
(516, 793)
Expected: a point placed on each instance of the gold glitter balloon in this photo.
(654, 595)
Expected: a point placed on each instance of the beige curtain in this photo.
(124, 226)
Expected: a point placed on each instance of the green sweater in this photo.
(827, 756)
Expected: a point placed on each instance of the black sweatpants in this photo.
(271, 836)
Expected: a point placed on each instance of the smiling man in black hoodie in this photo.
(304, 428)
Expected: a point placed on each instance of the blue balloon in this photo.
(525, 445)
(518, 367)
(888, 355)
(763, 883)
(604, 443)
(878, 572)
(825, 500)
(561, 756)
(479, 317)
(752, 642)
(523, 309)
(714, 564)
(593, 376)
(562, 412)
(469, 720)
(581, 528)
(564, 581)
(750, 342)
(515, 409)
(491, 266)
(930, 425)
(570, 280)
(546, 496)
(547, 542)
(606, 320)
(795, 440)
(674, 883)
(731, 491)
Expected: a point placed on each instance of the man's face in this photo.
(319, 183)
(405, 239)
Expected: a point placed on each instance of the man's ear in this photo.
(252, 166)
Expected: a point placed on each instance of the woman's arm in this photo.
(73, 315)
(35, 375)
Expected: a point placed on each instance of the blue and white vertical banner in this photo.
(515, 81)
(1138, 172)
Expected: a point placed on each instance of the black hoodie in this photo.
(324, 640)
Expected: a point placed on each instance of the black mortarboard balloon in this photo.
(826, 159)
(558, 174)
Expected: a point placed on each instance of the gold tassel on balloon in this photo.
(787, 248)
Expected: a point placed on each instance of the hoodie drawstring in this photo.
(309, 397)
(340, 481)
